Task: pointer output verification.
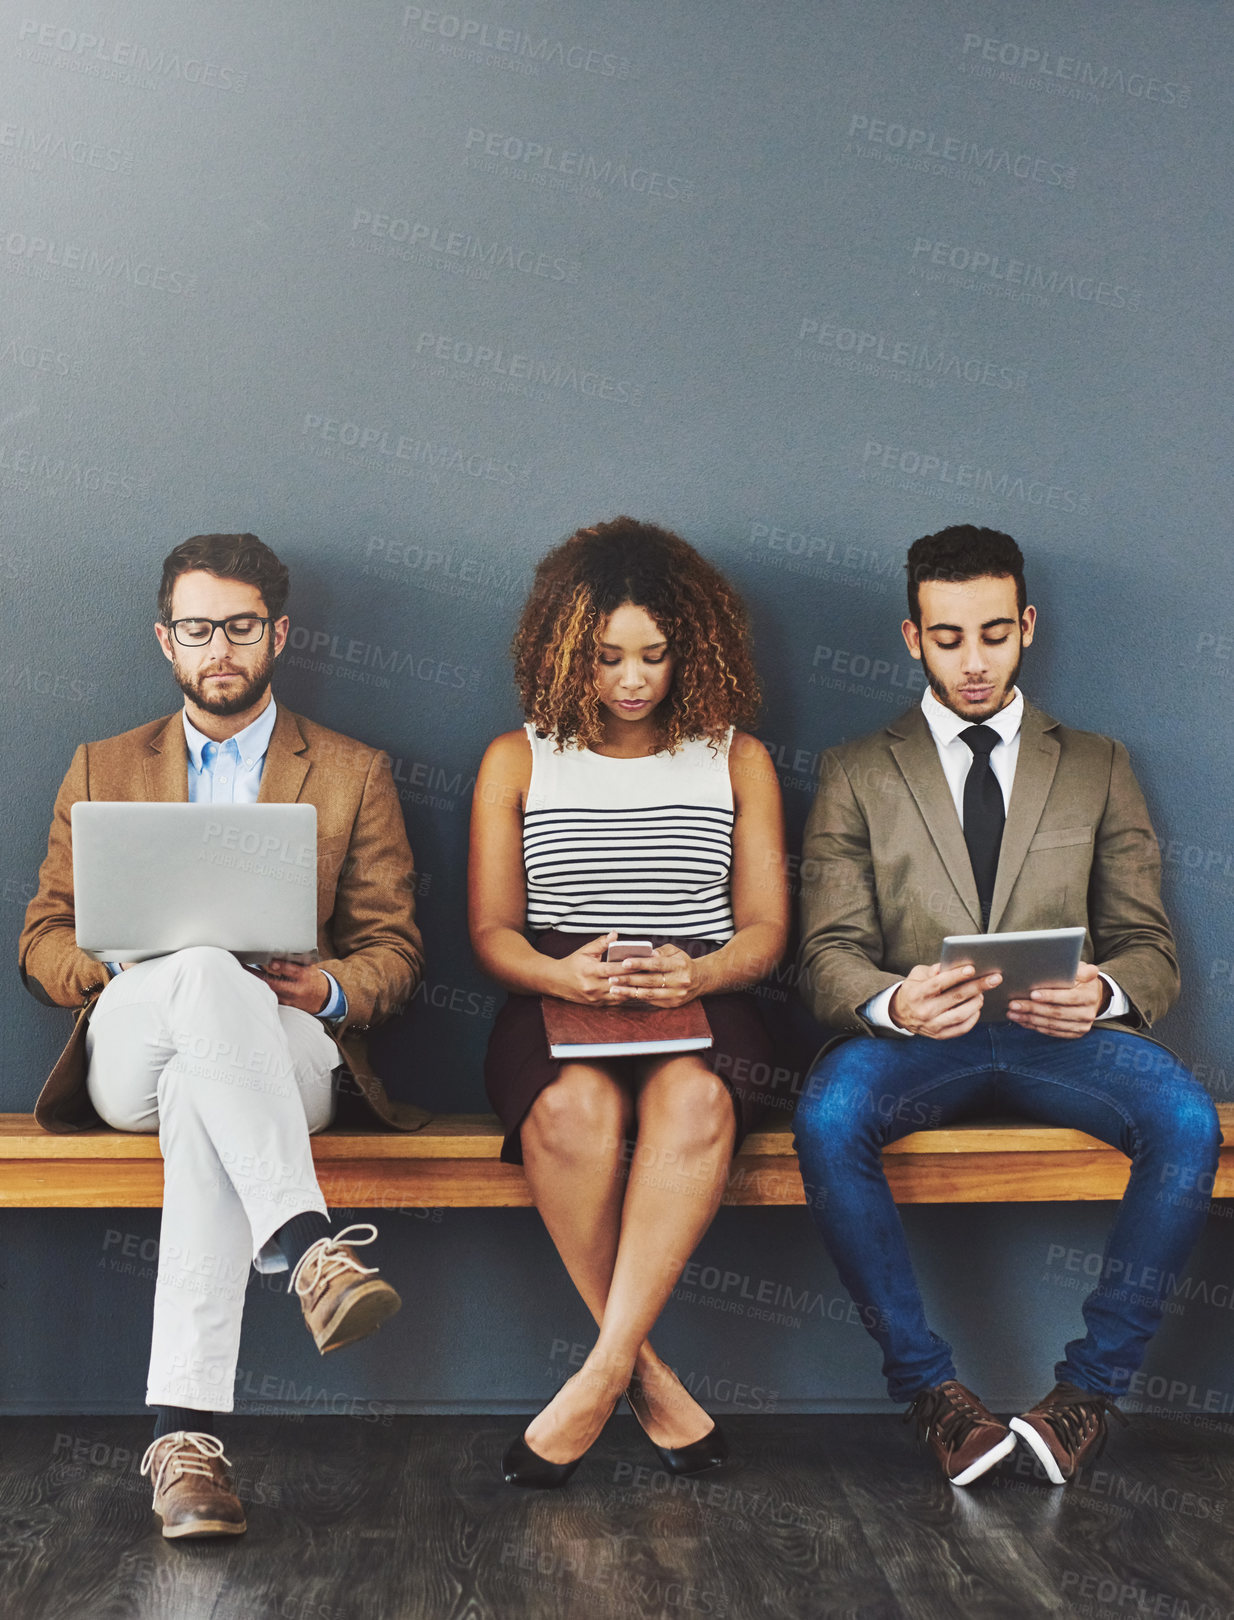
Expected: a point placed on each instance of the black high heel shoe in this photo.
(523, 1466)
(697, 1457)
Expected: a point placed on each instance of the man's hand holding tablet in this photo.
(1041, 982)
(1067, 1011)
(939, 1002)
(1033, 978)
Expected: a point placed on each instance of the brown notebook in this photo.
(575, 1029)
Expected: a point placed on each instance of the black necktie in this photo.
(983, 814)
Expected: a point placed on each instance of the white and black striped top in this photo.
(640, 845)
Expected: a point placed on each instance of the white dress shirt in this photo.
(230, 773)
(956, 758)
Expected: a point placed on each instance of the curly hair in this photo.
(587, 578)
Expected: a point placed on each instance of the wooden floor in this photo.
(406, 1518)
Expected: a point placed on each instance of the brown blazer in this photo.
(886, 873)
(366, 931)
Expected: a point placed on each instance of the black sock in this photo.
(298, 1235)
(167, 1419)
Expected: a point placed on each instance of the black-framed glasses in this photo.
(242, 630)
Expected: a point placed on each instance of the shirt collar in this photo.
(251, 743)
(946, 726)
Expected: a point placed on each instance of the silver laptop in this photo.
(154, 878)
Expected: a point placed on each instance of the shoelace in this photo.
(192, 1451)
(946, 1412)
(326, 1259)
(1072, 1415)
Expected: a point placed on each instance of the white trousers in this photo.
(192, 1046)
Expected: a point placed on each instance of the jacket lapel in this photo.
(286, 766)
(916, 755)
(167, 764)
(1034, 776)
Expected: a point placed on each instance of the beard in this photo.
(944, 693)
(252, 688)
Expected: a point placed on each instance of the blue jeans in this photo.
(1115, 1086)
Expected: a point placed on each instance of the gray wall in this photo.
(413, 293)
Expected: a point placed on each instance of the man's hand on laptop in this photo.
(1067, 1011)
(296, 984)
(941, 1003)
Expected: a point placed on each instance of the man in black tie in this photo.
(978, 812)
(983, 816)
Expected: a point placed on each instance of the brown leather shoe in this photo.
(1066, 1429)
(964, 1434)
(342, 1300)
(192, 1494)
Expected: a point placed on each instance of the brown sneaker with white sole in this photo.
(1066, 1429)
(342, 1299)
(963, 1433)
(192, 1493)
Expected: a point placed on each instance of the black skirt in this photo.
(517, 1064)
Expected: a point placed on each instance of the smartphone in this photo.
(620, 949)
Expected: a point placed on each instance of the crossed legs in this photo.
(625, 1225)
(194, 1047)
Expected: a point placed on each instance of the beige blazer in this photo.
(886, 873)
(366, 931)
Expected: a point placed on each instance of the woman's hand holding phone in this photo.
(666, 977)
(585, 975)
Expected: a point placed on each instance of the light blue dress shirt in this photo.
(230, 773)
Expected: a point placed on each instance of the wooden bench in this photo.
(453, 1163)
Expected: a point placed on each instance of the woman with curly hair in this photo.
(627, 807)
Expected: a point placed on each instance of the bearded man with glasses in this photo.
(239, 1179)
